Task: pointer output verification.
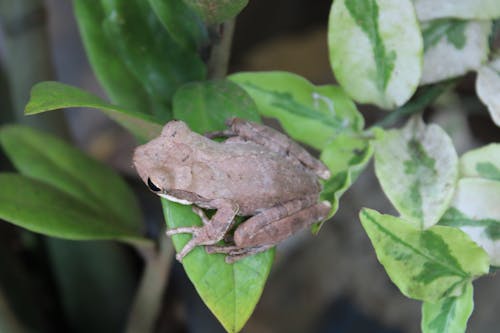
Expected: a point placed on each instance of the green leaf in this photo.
(453, 47)
(149, 52)
(91, 190)
(369, 58)
(230, 291)
(487, 87)
(449, 315)
(417, 167)
(464, 9)
(346, 157)
(45, 209)
(205, 106)
(217, 11)
(120, 84)
(483, 162)
(47, 96)
(428, 265)
(314, 115)
(182, 23)
(475, 210)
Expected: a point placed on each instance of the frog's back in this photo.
(253, 176)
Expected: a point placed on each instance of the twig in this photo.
(219, 56)
(28, 60)
(424, 98)
(8, 321)
(148, 299)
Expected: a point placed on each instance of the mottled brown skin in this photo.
(256, 172)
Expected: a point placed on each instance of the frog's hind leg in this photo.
(275, 141)
(235, 253)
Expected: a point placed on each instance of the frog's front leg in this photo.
(269, 228)
(212, 231)
(275, 141)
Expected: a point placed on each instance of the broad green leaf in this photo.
(47, 96)
(45, 209)
(346, 157)
(120, 84)
(449, 315)
(205, 106)
(427, 265)
(453, 47)
(314, 115)
(149, 52)
(369, 57)
(417, 167)
(230, 291)
(488, 86)
(66, 171)
(217, 11)
(475, 210)
(464, 9)
(182, 22)
(483, 162)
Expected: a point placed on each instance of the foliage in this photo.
(147, 57)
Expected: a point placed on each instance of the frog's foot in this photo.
(212, 231)
(200, 237)
(235, 253)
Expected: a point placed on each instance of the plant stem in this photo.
(28, 60)
(8, 321)
(148, 299)
(424, 98)
(221, 50)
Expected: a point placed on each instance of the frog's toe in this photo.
(181, 230)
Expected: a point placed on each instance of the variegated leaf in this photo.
(488, 87)
(483, 162)
(465, 9)
(476, 210)
(428, 265)
(417, 167)
(369, 57)
(453, 47)
(448, 315)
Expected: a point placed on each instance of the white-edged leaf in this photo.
(417, 167)
(311, 114)
(449, 315)
(425, 264)
(488, 87)
(476, 210)
(453, 47)
(465, 9)
(375, 50)
(483, 162)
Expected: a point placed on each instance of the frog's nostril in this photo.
(152, 186)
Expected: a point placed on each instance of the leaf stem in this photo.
(8, 320)
(147, 303)
(221, 49)
(424, 98)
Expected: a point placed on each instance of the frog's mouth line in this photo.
(174, 199)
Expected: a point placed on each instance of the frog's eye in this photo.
(152, 186)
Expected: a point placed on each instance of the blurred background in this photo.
(326, 283)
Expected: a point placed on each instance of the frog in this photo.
(248, 169)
